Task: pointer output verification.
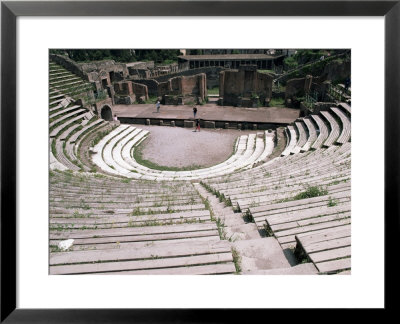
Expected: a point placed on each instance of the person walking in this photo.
(198, 125)
(194, 112)
(158, 106)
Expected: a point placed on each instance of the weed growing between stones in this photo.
(248, 217)
(236, 260)
(310, 192)
(83, 205)
(55, 248)
(77, 214)
(332, 202)
(136, 212)
(221, 229)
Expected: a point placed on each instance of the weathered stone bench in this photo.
(291, 169)
(158, 259)
(62, 158)
(302, 137)
(322, 130)
(80, 115)
(312, 134)
(61, 81)
(335, 129)
(346, 126)
(291, 140)
(345, 106)
(328, 249)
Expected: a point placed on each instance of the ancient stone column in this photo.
(221, 83)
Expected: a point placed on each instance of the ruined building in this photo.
(245, 87)
(262, 61)
(183, 90)
(127, 92)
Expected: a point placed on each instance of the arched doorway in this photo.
(106, 113)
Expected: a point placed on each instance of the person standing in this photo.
(158, 106)
(115, 118)
(194, 112)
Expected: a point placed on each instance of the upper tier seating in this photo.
(66, 82)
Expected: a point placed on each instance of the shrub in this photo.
(310, 192)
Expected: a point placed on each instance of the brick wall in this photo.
(212, 75)
(242, 87)
(184, 86)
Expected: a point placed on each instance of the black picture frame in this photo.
(10, 10)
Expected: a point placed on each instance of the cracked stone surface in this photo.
(262, 253)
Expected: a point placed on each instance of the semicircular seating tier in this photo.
(132, 227)
(301, 199)
(70, 123)
(114, 155)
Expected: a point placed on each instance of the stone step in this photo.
(323, 235)
(242, 232)
(329, 249)
(246, 197)
(97, 157)
(156, 263)
(213, 269)
(108, 148)
(285, 165)
(54, 163)
(88, 126)
(154, 230)
(288, 236)
(305, 214)
(312, 134)
(322, 132)
(63, 117)
(302, 138)
(150, 237)
(64, 85)
(335, 128)
(334, 266)
(63, 159)
(140, 254)
(346, 126)
(113, 219)
(300, 269)
(273, 176)
(277, 208)
(60, 81)
(57, 96)
(291, 140)
(345, 106)
(101, 126)
(142, 245)
(78, 118)
(268, 148)
(260, 254)
(64, 111)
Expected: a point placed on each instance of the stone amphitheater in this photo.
(280, 204)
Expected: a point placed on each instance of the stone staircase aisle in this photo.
(252, 253)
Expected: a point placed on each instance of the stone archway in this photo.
(106, 113)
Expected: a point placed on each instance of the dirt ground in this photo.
(182, 147)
